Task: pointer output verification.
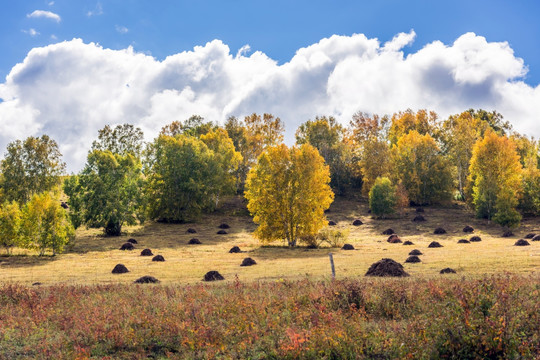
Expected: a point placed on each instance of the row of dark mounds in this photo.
(391, 268)
(356, 222)
(222, 226)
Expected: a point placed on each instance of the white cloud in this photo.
(69, 90)
(98, 10)
(50, 3)
(54, 37)
(44, 14)
(32, 32)
(121, 29)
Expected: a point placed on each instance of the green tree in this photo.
(10, 224)
(183, 178)
(194, 126)
(495, 178)
(107, 193)
(123, 139)
(30, 167)
(382, 197)
(287, 192)
(45, 225)
(419, 165)
(328, 137)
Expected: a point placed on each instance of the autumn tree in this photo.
(328, 137)
(10, 224)
(495, 178)
(287, 192)
(45, 225)
(30, 167)
(421, 168)
(195, 125)
(423, 122)
(108, 192)
(382, 197)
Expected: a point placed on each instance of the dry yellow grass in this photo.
(93, 256)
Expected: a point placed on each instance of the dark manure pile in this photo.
(235, 250)
(530, 235)
(522, 242)
(133, 241)
(536, 238)
(415, 252)
(194, 241)
(357, 222)
(394, 239)
(191, 231)
(386, 267)
(408, 243)
(248, 262)
(159, 258)
(213, 276)
(146, 252)
(222, 232)
(331, 223)
(388, 232)
(120, 269)
(439, 231)
(413, 259)
(419, 218)
(347, 247)
(475, 239)
(447, 271)
(147, 279)
(224, 226)
(127, 246)
(463, 241)
(468, 229)
(507, 233)
(434, 244)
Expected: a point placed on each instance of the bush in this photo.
(382, 197)
(333, 237)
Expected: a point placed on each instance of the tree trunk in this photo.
(113, 228)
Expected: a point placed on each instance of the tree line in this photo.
(409, 158)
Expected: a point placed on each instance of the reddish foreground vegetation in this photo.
(493, 317)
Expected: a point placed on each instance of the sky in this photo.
(67, 68)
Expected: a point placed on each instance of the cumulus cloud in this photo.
(44, 14)
(71, 89)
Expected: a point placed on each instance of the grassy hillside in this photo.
(93, 256)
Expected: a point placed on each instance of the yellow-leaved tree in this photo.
(495, 177)
(287, 192)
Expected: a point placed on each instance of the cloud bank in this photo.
(71, 89)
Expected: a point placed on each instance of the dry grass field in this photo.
(93, 256)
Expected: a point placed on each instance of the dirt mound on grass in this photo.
(224, 226)
(213, 276)
(530, 235)
(415, 252)
(248, 262)
(347, 247)
(408, 243)
(536, 238)
(386, 267)
(447, 271)
(439, 231)
(127, 246)
(419, 218)
(413, 259)
(191, 231)
(388, 231)
(235, 250)
(419, 210)
(475, 239)
(194, 241)
(147, 279)
(146, 252)
(120, 269)
(507, 233)
(463, 241)
(434, 244)
(394, 239)
(222, 232)
(468, 229)
(331, 223)
(522, 242)
(133, 241)
(357, 222)
(158, 258)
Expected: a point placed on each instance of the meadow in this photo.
(285, 307)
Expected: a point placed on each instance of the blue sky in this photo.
(87, 64)
(278, 28)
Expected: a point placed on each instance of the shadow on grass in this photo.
(270, 252)
(19, 261)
